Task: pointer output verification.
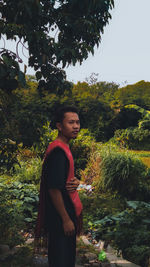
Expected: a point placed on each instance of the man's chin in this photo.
(74, 136)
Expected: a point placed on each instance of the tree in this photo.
(57, 33)
(137, 94)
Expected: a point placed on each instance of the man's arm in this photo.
(68, 225)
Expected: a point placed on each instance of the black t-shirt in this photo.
(56, 168)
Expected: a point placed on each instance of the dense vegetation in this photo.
(111, 154)
(23, 112)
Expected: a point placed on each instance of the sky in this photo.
(123, 55)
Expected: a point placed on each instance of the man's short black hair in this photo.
(59, 115)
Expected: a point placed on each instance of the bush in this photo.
(144, 125)
(11, 220)
(121, 172)
(127, 117)
(28, 171)
(128, 231)
(132, 138)
(97, 206)
(81, 148)
(47, 136)
(18, 210)
(8, 155)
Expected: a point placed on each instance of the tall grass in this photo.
(116, 171)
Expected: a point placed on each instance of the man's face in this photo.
(70, 126)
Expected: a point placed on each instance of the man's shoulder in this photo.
(56, 152)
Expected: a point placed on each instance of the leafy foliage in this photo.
(145, 113)
(8, 155)
(24, 112)
(97, 206)
(145, 124)
(92, 104)
(129, 231)
(47, 136)
(28, 172)
(18, 209)
(11, 220)
(81, 148)
(132, 138)
(56, 32)
(137, 94)
(127, 117)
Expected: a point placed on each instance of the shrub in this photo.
(48, 135)
(129, 231)
(144, 125)
(120, 172)
(18, 210)
(97, 206)
(8, 155)
(81, 147)
(11, 220)
(127, 117)
(132, 138)
(28, 171)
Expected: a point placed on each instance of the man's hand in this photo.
(69, 228)
(72, 185)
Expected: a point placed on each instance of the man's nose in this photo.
(76, 125)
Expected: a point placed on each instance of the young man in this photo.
(62, 205)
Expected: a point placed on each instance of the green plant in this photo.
(18, 209)
(144, 124)
(11, 219)
(81, 147)
(132, 138)
(82, 248)
(97, 206)
(47, 136)
(128, 231)
(22, 258)
(8, 155)
(121, 172)
(28, 171)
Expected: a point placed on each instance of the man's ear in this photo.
(58, 125)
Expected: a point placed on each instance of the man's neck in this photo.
(63, 139)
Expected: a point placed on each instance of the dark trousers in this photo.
(61, 250)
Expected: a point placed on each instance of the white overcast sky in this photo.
(124, 53)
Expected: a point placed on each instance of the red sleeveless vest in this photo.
(40, 229)
(73, 195)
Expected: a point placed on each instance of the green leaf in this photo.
(28, 219)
